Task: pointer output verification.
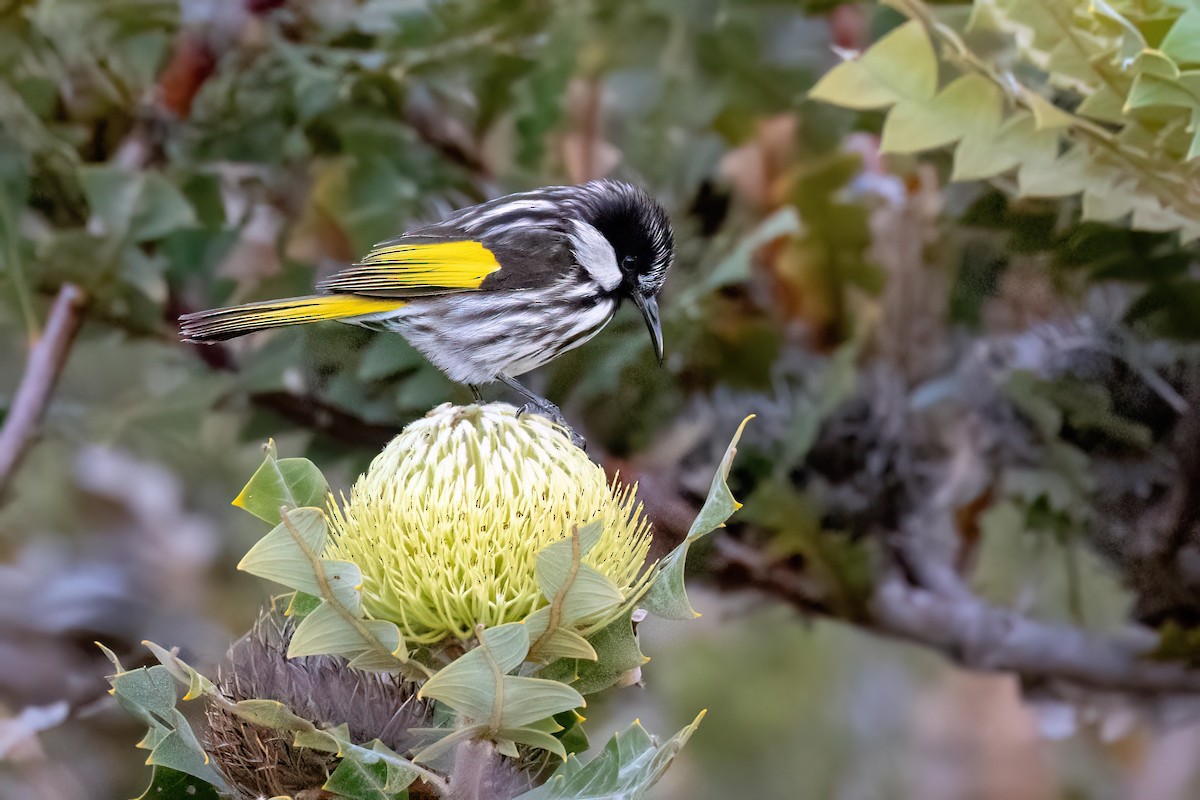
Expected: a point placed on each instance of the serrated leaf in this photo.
(1018, 141)
(471, 682)
(1046, 115)
(667, 596)
(287, 554)
(971, 105)
(180, 750)
(559, 643)
(278, 483)
(170, 784)
(1071, 173)
(327, 631)
(148, 693)
(852, 85)
(575, 591)
(528, 700)
(1132, 41)
(197, 684)
(355, 779)
(1103, 104)
(290, 554)
(628, 766)
(1182, 42)
(901, 65)
(320, 740)
(449, 740)
(374, 768)
(617, 655)
(533, 738)
(477, 685)
(1154, 90)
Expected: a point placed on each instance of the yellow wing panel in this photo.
(402, 267)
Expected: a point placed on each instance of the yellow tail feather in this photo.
(228, 323)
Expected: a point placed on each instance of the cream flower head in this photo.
(447, 522)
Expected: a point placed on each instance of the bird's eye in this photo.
(629, 263)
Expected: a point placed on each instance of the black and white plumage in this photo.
(495, 290)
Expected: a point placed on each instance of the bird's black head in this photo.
(638, 229)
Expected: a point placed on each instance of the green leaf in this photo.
(477, 685)
(971, 105)
(558, 643)
(628, 766)
(534, 738)
(1018, 141)
(181, 750)
(1103, 104)
(149, 694)
(735, 267)
(398, 772)
(470, 684)
(286, 556)
(1153, 90)
(1182, 42)
(900, 66)
(271, 714)
(1046, 115)
(576, 591)
(528, 700)
(327, 631)
(140, 206)
(301, 605)
(290, 554)
(197, 684)
(667, 596)
(355, 779)
(278, 483)
(617, 654)
(1132, 41)
(171, 784)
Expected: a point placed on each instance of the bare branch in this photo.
(45, 363)
(985, 637)
(976, 634)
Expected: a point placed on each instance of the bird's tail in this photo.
(220, 324)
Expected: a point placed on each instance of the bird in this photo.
(494, 290)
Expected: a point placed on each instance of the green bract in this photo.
(447, 522)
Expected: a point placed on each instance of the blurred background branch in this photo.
(47, 355)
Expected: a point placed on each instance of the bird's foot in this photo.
(555, 415)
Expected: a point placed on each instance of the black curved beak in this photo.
(649, 308)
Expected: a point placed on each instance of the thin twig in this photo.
(46, 360)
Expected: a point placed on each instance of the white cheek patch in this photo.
(595, 255)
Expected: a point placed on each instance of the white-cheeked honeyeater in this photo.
(495, 290)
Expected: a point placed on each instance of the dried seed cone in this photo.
(261, 762)
(447, 522)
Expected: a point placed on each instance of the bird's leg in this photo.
(540, 405)
(475, 392)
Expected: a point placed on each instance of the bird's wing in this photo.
(445, 259)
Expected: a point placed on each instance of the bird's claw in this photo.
(552, 413)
